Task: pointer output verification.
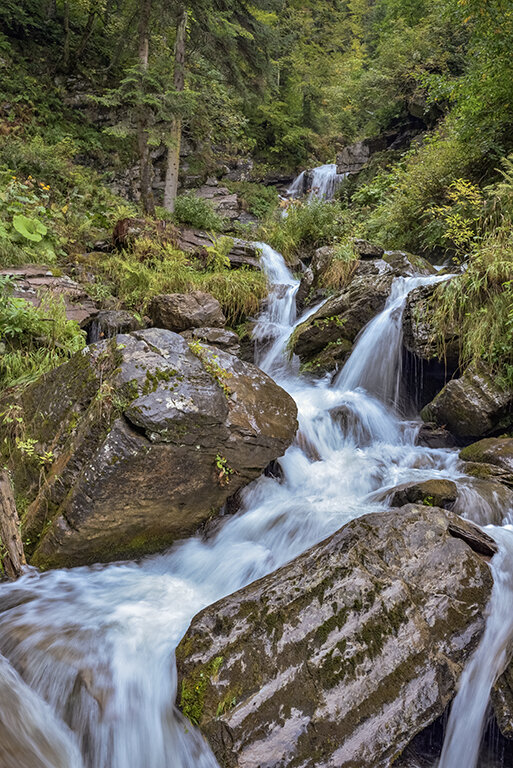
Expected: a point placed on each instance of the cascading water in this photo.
(94, 646)
(320, 182)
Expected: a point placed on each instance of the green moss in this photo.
(193, 690)
(154, 378)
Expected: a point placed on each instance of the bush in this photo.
(479, 302)
(306, 226)
(256, 199)
(35, 340)
(197, 213)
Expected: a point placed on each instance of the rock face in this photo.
(471, 407)
(494, 455)
(367, 250)
(341, 657)
(419, 332)
(353, 157)
(432, 436)
(181, 311)
(149, 440)
(242, 253)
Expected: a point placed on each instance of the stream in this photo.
(87, 677)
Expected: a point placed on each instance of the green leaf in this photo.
(32, 229)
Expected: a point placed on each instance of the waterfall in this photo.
(376, 361)
(469, 709)
(321, 183)
(93, 648)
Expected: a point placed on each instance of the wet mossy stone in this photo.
(137, 426)
(493, 457)
(342, 656)
(473, 406)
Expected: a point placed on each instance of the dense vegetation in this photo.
(92, 88)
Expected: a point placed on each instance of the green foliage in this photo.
(197, 212)
(35, 340)
(256, 199)
(479, 303)
(152, 268)
(305, 227)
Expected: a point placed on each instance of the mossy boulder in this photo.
(342, 317)
(181, 311)
(420, 337)
(494, 456)
(473, 406)
(437, 492)
(342, 656)
(148, 441)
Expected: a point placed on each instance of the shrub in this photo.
(256, 199)
(306, 226)
(196, 212)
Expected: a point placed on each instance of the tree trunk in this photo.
(14, 558)
(175, 136)
(66, 36)
(88, 31)
(147, 201)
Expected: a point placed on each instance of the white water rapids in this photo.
(91, 681)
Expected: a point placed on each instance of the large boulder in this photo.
(341, 657)
(216, 337)
(473, 406)
(342, 317)
(494, 457)
(181, 311)
(147, 442)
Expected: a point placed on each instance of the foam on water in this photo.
(94, 646)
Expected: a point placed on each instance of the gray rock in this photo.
(137, 427)
(367, 250)
(495, 453)
(110, 322)
(419, 333)
(407, 264)
(353, 157)
(473, 406)
(216, 337)
(341, 657)
(432, 436)
(181, 311)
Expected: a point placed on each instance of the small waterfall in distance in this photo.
(320, 183)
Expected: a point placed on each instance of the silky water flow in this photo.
(87, 678)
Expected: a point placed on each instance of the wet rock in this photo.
(148, 442)
(367, 250)
(432, 493)
(110, 322)
(35, 283)
(495, 452)
(420, 335)
(216, 337)
(342, 317)
(432, 436)
(407, 264)
(341, 657)
(181, 311)
(472, 406)
(502, 701)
